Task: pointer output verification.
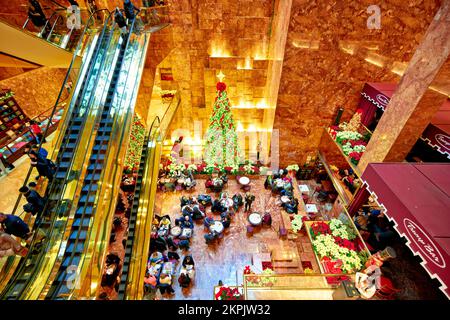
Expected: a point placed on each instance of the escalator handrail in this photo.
(54, 293)
(74, 56)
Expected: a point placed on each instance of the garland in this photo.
(137, 137)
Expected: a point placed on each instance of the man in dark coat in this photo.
(15, 226)
(34, 199)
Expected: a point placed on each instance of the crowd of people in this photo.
(374, 228)
(178, 180)
(280, 184)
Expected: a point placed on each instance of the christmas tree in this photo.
(354, 122)
(222, 148)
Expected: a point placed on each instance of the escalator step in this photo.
(87, 210)
(82, 235)
(94, 177)
(92, 189)
(87, 199)
(78, 248)
(82, 222)
(60, 175)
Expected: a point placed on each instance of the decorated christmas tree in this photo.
(222, 149)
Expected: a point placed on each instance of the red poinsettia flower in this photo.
(355, 155)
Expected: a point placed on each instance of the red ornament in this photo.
(221, 86)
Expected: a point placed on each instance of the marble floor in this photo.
(226, 259)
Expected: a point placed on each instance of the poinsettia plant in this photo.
(227, 293)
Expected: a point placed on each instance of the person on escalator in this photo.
(129, 8)
(34, 199)
(120, 20)
(36, 14)
(15, 226)
(44, 166)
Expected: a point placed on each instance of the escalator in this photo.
(118, 100)
(70, 134)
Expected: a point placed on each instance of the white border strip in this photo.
(365, 95)
(438, 148)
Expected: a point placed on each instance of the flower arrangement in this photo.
(137, 136)
(347, 135)
(336, 245)
(318, 228)
(297, 223)
(227, 293)
(340, 229)
(293, 167)
(265, 281)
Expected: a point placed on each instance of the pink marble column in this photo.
(416, 100)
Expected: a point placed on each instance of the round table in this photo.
(217, 227)
(255, 219)
(175, 231)
(285, 199)
(244, 181)
(227, 203)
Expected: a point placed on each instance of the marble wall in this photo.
(36, 91)
(330, 54)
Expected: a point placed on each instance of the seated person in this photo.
(209, 183)
(237, 201)
(197, 213)
(188, 262)
(164, 223)
(150, 281)
(184, 244)
(209, 237)
(209, 221)
(194, 201)
(268, 183)
(165, 284)
(187, 210)
(217, 206)
(187, 222)
(291, 207)
(204, 199)
(226, 221)
(189, 182)
(156, 258)
(184, 280)
(286, 192)
(224, 178)
(173, 255)
(160, 244)
(184, 201)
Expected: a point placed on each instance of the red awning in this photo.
(437, 134)
(417, 198)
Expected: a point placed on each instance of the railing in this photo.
(292, 286)
(83, 44)
(145, 212)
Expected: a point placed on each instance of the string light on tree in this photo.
(222, 149)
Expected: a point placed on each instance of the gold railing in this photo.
(292, 286)
(145, 214)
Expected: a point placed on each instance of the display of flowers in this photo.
(337, 242)
(347, 135)
(293, 167)
(137, 136)
(340, 229)
(297, 223)
(227, 293)
(265, 281)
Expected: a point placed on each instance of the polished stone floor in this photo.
(226, 259)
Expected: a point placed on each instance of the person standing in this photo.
(42, 165)
(14, 225)
(120, 20)
(258, 151)
(37, 131)
(34, 199)
(249, 198)
(129, 8)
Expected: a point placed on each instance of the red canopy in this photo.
(417, 198)
(437, 134)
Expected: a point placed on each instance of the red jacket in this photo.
(36, 129)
